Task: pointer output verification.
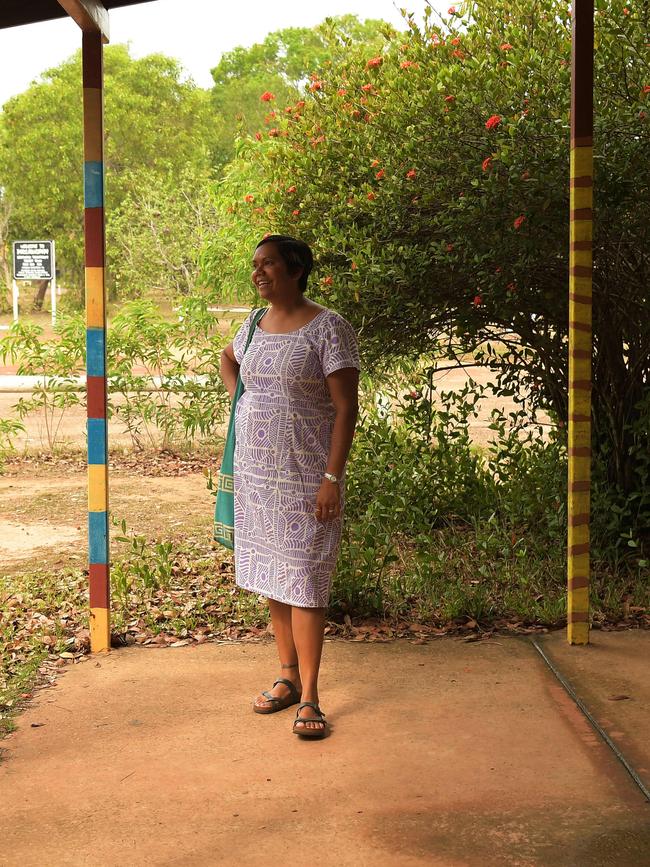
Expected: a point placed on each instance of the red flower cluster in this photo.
(458, 53)
(493, 121)
(327, 280)
(248, 199)
(486, 164)
(374, 61)
(374, 163)
(646, 88)
(411, 173)
(316, 85)
(505, 46)
(406, 63)
(366, 87)
(341, 91)
(267, 96)
(450, 248)
(291, 189)
(296, 212)
(274, 133)
(478, 301)
(451, 10)
(371, 196)
(518, 221)
(450, 98)
(454, 41)
(380, 174)
(258, 136)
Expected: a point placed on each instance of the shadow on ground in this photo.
(450, 753)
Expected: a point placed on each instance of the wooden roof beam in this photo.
(90, 15)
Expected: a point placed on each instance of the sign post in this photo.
(34, 260)
(53, 285)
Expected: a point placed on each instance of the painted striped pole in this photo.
(580, 309)
(98, 542)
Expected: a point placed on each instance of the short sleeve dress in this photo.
(283, 430)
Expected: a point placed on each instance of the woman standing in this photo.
(294, 426)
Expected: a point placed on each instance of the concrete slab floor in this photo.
(450, 753)
(611, 675)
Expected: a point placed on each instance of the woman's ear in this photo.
(297, 271)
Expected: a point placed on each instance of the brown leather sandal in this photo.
(279, 703)
(306, 732)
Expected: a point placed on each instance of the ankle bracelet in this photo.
(286, 665)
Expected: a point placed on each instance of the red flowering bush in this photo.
(467, 226)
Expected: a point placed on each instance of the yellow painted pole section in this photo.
(580, 300)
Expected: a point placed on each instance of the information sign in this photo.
(33, 260)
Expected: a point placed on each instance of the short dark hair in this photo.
(296, 254)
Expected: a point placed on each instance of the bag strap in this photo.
(257, 315)
(239, 387)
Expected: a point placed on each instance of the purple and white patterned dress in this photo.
(283, 430)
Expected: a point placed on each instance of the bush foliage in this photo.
(432, 180)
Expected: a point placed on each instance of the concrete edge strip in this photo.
(594, 722)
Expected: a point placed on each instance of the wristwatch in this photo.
(331, 477)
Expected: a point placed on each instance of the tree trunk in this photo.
(40, 294)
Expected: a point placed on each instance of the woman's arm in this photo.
(229, 369)
(343, 387)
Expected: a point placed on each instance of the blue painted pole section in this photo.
(97, 441)
(98, 537)
(93, 184)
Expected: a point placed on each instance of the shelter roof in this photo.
(16, 12)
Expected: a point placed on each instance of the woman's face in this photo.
(270, 273)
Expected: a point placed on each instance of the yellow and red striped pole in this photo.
(580, 307)
(98, 547)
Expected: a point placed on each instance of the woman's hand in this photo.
(328, 501)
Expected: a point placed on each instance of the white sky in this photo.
(196, 32)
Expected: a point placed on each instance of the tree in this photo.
(153, 118)
(5, 255)
(432, 180)
(277, 68)
(156, 234)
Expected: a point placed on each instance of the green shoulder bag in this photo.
(224, 507)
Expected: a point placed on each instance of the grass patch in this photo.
(452, 582)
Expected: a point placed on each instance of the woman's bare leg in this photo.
(282, 627)
(308, 625)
